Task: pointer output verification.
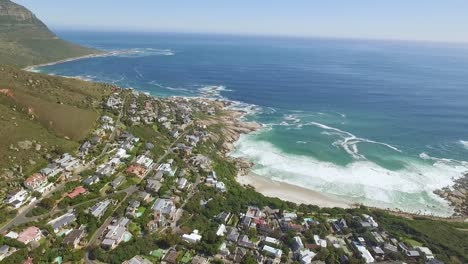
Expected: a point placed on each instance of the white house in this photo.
(192, 238)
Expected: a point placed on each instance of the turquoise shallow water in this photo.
(377, 122)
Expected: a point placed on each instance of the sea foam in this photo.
(464, 143)
(410, 189)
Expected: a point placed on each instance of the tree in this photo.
(36, 194)
(249, 259)
(47, 203)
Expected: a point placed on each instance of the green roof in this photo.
(159, 253)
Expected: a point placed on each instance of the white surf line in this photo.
(349, 143)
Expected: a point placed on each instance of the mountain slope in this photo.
(36, 109)
(25, 40)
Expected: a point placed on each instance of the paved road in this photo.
(21, 217)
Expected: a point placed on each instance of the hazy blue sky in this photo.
(441, 20)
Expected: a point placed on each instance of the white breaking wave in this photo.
(140, 52)
(464, 143)
(177, 89)
(213, 91)
(349, 142)
(363, 181)
(461, 166)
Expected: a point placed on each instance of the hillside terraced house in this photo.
(36, 182)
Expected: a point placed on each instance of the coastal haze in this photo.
(381, 123)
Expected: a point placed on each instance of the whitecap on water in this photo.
(349, 141)
(464, 143)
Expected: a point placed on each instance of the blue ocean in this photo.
(383, 123)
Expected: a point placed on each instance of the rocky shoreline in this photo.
(457, 195)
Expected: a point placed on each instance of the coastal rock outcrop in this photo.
(457, 195)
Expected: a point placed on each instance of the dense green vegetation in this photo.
(444, 238)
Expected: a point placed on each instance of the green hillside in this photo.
(25, 40)
(53, 112)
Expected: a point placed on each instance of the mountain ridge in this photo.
(25, 40)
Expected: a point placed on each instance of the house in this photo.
(91, 180)
(166, 169)
(181, 183)
(52, 170)
(233, 235)
(29, 235)
(192, 139)
(62, 221)
(100, 208)
(12, 235)
(121, 154)
(298, 245)
(199, 260)
(132, 208)
(389, 248)
(107, 119)
(77, 192)
(153, 185)
(137, 170)
(272, 241)
(106, 169)
(194, 237)
(137, 260)
(165, 207)
(17, 198)
(117, 182)
(245, 242)
(36, 182)
(201, 161)
(220, 186)
(334, 241)
(306, 256)
(320, 242)
(223, 217)
(174, 133)
(73, 238)
(68, 162)
(171, 257)
(363, 252)
(254, 212)
(369, 219)
(378, 252)
(289, 216)
(144, 196)
(116, 233)
(271, 251)
(221, 230)
(425, 252)
(6, 251)
(144, 161)
(84, 148)
(339, 225)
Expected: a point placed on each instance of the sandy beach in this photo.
(290, 192)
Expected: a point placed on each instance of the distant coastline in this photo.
(295, 192)
(93, 55)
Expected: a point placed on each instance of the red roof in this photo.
(137, 170)
(28, 234)
(36, 177)
(78, 191)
